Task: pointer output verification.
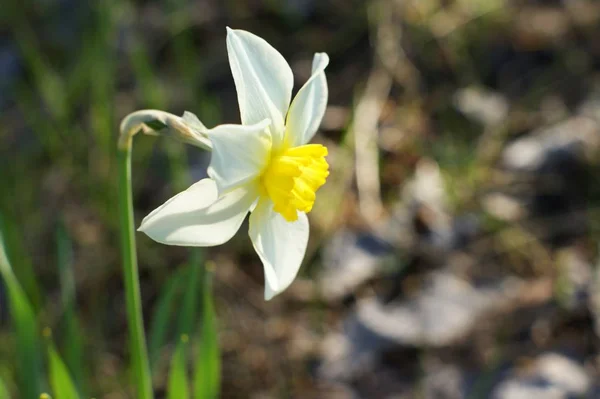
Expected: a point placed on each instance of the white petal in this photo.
(197, 217)
(263, 80)
(280, 244)
(308, 107)
(240, 153)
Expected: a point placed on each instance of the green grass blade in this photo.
(178, 379)
(152, 93)
(49, 83)
(187, 317)
(162, 316)
(102, 76)
(60, 379)
(72, 339)
(29, 358)
(14, 249)
(3, 390)
(207, 375)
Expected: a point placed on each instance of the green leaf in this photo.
(14, 249)
(207, 375)
(186, 280)
(187, 316)
(72, 339)
(163, 313)
(29, 358)
(3, 390)
(178, 380)
(60, 379)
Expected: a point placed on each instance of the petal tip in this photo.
(323, 56)
(320, 61)
(270, 294)
(231, 32)
(142, 227)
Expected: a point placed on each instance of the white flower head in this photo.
(263, 166)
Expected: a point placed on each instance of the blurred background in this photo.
(453, 250)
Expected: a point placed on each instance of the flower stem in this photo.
(137, 339)
(148, 121)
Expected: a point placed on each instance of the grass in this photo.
(69, 103)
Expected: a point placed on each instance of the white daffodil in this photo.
(263, 166)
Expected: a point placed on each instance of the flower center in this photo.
(292, 178)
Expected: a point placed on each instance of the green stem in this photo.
(148, 121)
(137, 339)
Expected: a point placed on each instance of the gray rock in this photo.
(591, 106)
(578, 136)
(350, 259)
(564, 373)
(444, 312)
(547, 172)
(575, 277)
(444, 382)
(527, 390)
(484, 106)
(424, 199)
(551, 376)
(594, 299)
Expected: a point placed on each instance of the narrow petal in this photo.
(240, 153)
(280, 244)
(263, 80)
(195, 129)
(193, 122)
(308, 107)
(197, 217)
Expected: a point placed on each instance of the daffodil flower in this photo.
(263, 166)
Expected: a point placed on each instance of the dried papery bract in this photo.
(187, 129)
